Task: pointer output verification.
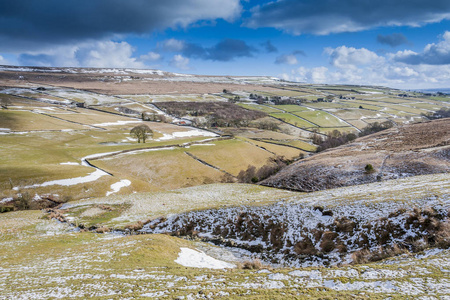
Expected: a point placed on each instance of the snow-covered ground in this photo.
(189, 133)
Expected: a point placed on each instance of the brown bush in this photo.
(361, 256)
(305, 247)
(254, 264)
(102, 229)
(344, 225)
(134, 227)
(443, 235)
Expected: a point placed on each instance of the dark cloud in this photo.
(393, 40)
(24, 23)
(225, 50)
(331, 16)
(433, 54)
(299, 52)
(269, 47)
(228, 49)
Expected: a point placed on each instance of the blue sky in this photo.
(396, 43)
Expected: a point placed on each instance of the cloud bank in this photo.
(31, 23)
(433, 54)
(404, 69)
(225, 50)
(323, 17)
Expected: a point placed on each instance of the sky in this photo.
(395, 43)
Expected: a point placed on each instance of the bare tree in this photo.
(141, 132)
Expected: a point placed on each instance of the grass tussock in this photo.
(254, 264)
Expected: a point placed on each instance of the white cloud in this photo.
(363, 67)
(98, 54)
(313, 75)
(151, 56)
(108, 54)
(349, 57)
(3, 61)
(180, 62)
(173, 45)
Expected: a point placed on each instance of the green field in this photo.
(294, 120)
(257, 107)
(321, 118)
(290, 108)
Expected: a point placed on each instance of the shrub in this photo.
(4, 209)
(369, 168)
(23, 202)
(254, 264)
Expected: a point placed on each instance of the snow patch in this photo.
(190, 133)
(70, 163)
(195, 259)
(118, 185)
(72, 181)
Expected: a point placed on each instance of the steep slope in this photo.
(398, 152)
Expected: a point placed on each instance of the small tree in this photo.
(141, 132)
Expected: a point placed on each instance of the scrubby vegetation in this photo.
(337, 138)
(24, 201)
(441, 113)
(212, 114)
(298, 235)
(253, 175)
(333, 139)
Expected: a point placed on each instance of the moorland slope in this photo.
(403, 151)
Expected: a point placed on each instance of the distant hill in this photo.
(409, 150)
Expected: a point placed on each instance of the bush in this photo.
(4, 209)
(369, 168)
(255, 264)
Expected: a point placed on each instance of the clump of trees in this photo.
(442, 113)
(268, 125)
(333, 139)
(375, 127)
(213, 114)
(253, 175)
(141, 132)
